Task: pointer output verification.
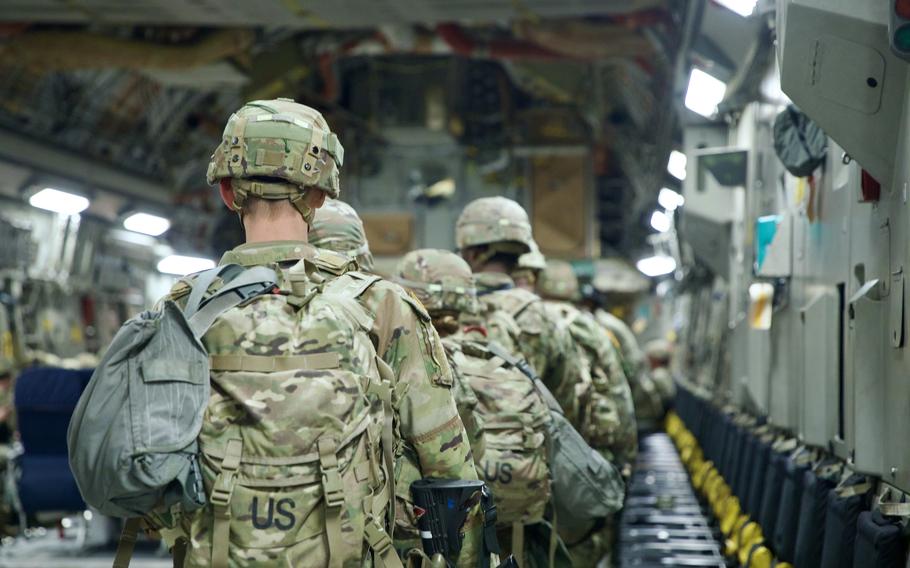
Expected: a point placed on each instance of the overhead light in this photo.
(669, 199)
(742, 7)
(660, 221)
(676, 165)
(146, 224)
(705, 92)
(658, 265)
(59, 201)
(183, 265)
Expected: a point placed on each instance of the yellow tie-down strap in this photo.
(274, 363)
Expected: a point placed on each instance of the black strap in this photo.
(179, 551)
(489, 543)
(522, 365)
(491, 289)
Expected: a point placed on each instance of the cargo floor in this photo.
(663, 523)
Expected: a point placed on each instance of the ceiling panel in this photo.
(300, 14)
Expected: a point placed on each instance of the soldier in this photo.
(338, 227)
(529, 266)
(659, 353)
(514, 414)
(491, 234)
(275, 166)
(611, 425)
(646, 397)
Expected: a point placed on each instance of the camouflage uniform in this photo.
(648, 405)
(501, 226)
(612, 426)
(517, 467)
(659, 352)
(611, 423)
(280, 139)
(338, 227)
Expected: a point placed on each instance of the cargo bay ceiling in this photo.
(127, 99)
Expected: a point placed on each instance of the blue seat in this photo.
(45, 398)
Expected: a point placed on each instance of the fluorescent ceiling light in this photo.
(660, 221)
(146, 224)
(656, 265)
(742, 7)
(677, 165)
(183, 265)
(669, 199)
(59, 201)
(705, 92)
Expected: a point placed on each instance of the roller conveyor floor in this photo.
(663, 524)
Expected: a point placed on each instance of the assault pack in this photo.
(515, 421)
(293, 460)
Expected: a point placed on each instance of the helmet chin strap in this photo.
(307, 212)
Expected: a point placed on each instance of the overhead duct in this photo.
(585, 40)
(59, 50)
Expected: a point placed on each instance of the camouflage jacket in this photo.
(466, 401)
(546, 346)
(633, 358)
(648, 404)
(611, 424)
(432, 435)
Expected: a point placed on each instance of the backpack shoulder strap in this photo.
(515, 301)
(201, 282)
(249, 283)
(526, 369)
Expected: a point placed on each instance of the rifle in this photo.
(441, 507)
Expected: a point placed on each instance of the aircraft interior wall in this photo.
(832, 366)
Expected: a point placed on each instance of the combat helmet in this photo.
(440, 279)
(533, 260)
(277, 149)
(498, 222)
(558, 281)
(529, 266)
(659, 350)
(337, 226)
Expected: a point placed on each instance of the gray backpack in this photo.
(586, 487)
(132, 439)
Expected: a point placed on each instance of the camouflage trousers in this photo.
(598, 547)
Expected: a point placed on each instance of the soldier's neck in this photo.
(281, 229)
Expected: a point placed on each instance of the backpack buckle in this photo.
(377, 537)
(332, 488)
(223, 487)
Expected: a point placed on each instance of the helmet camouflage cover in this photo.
(337, 226)
(277, 149)
(558, 281)
(495, 221)
(440, 279)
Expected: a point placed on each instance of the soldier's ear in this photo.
(227, 193)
